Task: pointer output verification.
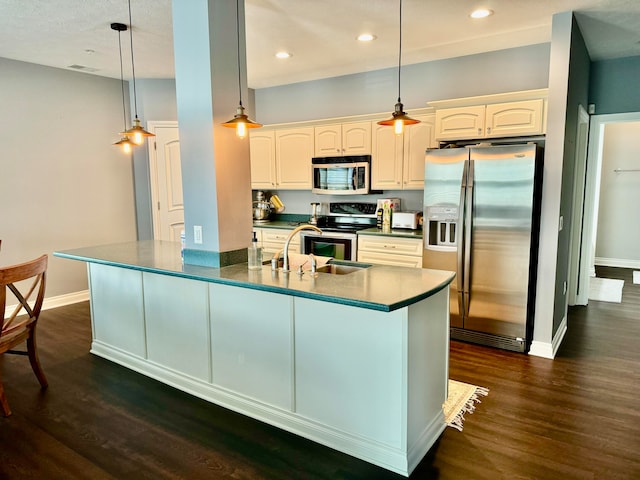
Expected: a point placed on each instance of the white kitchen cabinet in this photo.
(273, 240)
(515, 118)
(262, 147)
(294, 150)
(459, 123)
(281, 159)
(388, 250)
(398, 160)
(343, 139)
(508, 119)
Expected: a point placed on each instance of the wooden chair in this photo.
(15, 329)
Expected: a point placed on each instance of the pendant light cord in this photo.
(133, 67)
(124, 109)
(399, 52)
(238, 43)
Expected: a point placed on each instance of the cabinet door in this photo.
(294, 150)
(328, 141)
(417, 138)
(386, 160)
(515, 118)
(262, 149)
(356, 138)
(387, 259)
(459, 123)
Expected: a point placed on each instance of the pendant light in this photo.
(399, 118)
(240, 121)
(136, 133)
(124, 142)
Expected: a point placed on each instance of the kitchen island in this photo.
(357, 362)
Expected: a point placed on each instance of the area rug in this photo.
(636, 277)
(462, 399)
(605, 289)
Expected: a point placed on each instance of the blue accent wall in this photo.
(614, 85)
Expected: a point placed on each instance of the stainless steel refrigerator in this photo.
(481, 220)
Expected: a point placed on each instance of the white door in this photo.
(166, 181)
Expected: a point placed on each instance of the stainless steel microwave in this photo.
(349, 175)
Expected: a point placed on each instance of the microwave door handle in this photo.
(354, 178)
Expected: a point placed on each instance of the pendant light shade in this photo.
(399, 118)
(240, 121)
(136, 133)
(125, 144)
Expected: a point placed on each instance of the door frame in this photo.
(576, 291)
(152, 125)
(592, 193)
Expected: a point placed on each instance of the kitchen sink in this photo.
(342, 268)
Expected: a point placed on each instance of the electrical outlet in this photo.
(197, 234)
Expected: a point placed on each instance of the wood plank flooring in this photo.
(576, 417)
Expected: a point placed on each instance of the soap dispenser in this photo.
(254, 254)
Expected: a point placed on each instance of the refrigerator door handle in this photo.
(468, 211)
(460, 229)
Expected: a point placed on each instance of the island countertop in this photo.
(379, 287)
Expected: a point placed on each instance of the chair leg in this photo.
(6, 411)
(35, 362)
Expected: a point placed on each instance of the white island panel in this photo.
(252, 344)
(177, 322)
(350, 371)
(117, 312)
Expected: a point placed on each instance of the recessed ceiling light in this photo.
(283, 55)
(481, 13)
(366, 37)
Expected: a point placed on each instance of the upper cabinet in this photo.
(397, 161)
(262, 145)
(491, 116)
(343, 139)
(281, 159)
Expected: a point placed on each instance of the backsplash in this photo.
(298, 201)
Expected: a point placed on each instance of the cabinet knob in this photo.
(488, 130)
(479, 131)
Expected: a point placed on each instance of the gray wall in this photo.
(62, 182)
(156, 101)
(614, 85)
(522, 68)
(364, 93)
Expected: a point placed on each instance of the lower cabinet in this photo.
(387, 250)
(273, 240)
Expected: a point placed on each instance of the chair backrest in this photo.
(34, 270)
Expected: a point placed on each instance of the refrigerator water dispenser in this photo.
(441, 227)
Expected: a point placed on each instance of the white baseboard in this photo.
(57, 301)
(617, 262)
(549, 350)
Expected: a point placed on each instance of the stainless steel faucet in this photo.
(285, 260)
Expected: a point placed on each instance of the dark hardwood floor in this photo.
(576, 417)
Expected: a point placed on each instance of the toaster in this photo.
(409, 220)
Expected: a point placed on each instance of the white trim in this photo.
(592, 189)
(58, 301)
(549, 350)
(576, 295)
(617, 262)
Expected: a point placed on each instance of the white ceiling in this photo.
(320, 33)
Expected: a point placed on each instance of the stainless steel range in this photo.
(339, 230)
